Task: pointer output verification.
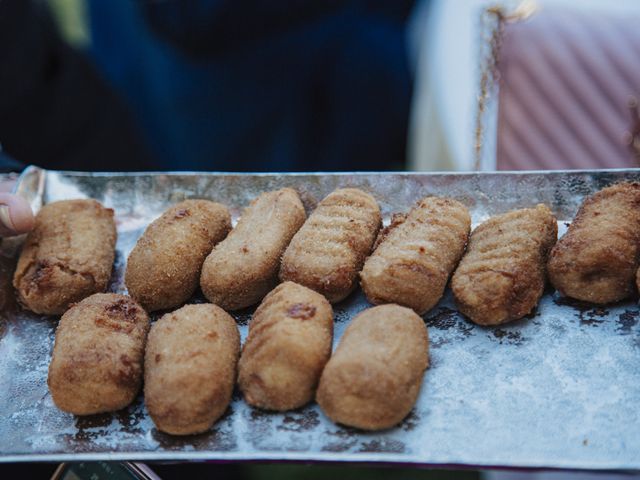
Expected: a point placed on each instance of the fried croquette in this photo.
(373, 378)
(163, 269)
(66, 257)
(190, 368)
(597, 259)
(96, 364)
(288, 345)
(502, 276)
(328, 251)
(243, 268)
(416, 254)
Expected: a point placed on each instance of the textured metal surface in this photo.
(558, 389)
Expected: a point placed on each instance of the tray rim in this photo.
(105, 173)
(377, 458)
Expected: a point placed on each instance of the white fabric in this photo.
(444, 39)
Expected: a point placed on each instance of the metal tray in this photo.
(559, 389)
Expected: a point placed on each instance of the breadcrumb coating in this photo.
(502, 276)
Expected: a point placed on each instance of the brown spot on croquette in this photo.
(41, 271)
(129, 373)
(158, 357)
(257, 379)
(114, 325)
(303, 311)
(124, 309)
(183, 212)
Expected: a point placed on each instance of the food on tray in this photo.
(597, 259)
(502, 275)
(416, 254)
(244, 267)
(288, 345)
(163, 269)
(67, 256)
(190, 368)
(373, 378)
(96, 364)
(328, 251)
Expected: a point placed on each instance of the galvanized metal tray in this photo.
(558, 389)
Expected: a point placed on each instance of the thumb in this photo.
(16, 216)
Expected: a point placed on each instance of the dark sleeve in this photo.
(55, 111)
(209, 27)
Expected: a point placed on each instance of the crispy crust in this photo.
(164, 267)
(416, 254)
(243, 268)
(96, 364)
(597, 259)
(501, 277)
(67, 256)
(288, 345)
(397, 219)
(190, 368)
(373, 378)
(328, 251)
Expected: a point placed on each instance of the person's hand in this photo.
(16, 216)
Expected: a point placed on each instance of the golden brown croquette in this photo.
(96, 364)
(328, 251)
(288, 345)
(67, 256)
(164, 267)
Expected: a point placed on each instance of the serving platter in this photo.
(558, 389)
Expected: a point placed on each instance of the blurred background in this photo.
(297, 85)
